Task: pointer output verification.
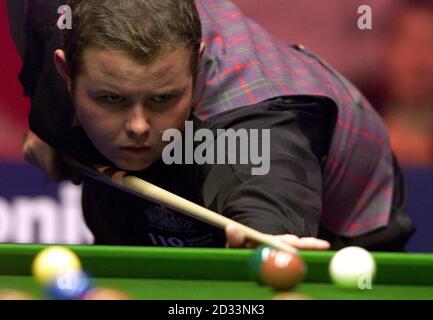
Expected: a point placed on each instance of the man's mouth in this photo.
(135, 150)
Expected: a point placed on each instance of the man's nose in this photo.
(137, 124)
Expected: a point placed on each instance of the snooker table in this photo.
(215, 274)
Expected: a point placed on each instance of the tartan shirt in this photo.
(244, 65)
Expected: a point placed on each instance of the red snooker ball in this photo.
(282, 270)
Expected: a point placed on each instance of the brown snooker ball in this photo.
(291, 296)
(282, 270)
(9, 294)
(106, 294)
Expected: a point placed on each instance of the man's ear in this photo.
(62, 67)
(202, 48)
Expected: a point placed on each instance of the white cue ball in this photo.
(352, 268)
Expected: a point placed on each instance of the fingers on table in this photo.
(313, 243)
(236, 239)
(305, 243)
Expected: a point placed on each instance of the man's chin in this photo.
(133, 165)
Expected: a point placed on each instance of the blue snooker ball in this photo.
(72, 285)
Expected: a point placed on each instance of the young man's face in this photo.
(124, 106)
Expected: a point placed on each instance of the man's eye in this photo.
(112, 99)
(162, 98)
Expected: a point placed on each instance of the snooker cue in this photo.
(132, 184)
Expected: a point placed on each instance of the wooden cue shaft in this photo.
(194, 210)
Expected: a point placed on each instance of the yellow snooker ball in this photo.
(53, 262)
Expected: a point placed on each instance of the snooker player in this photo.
(129, 70)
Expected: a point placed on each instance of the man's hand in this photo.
(236, 239)
(40, 154)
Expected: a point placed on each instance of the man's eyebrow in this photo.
(104, 89)
(103, 86)
(171, 90)
(118, 90)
